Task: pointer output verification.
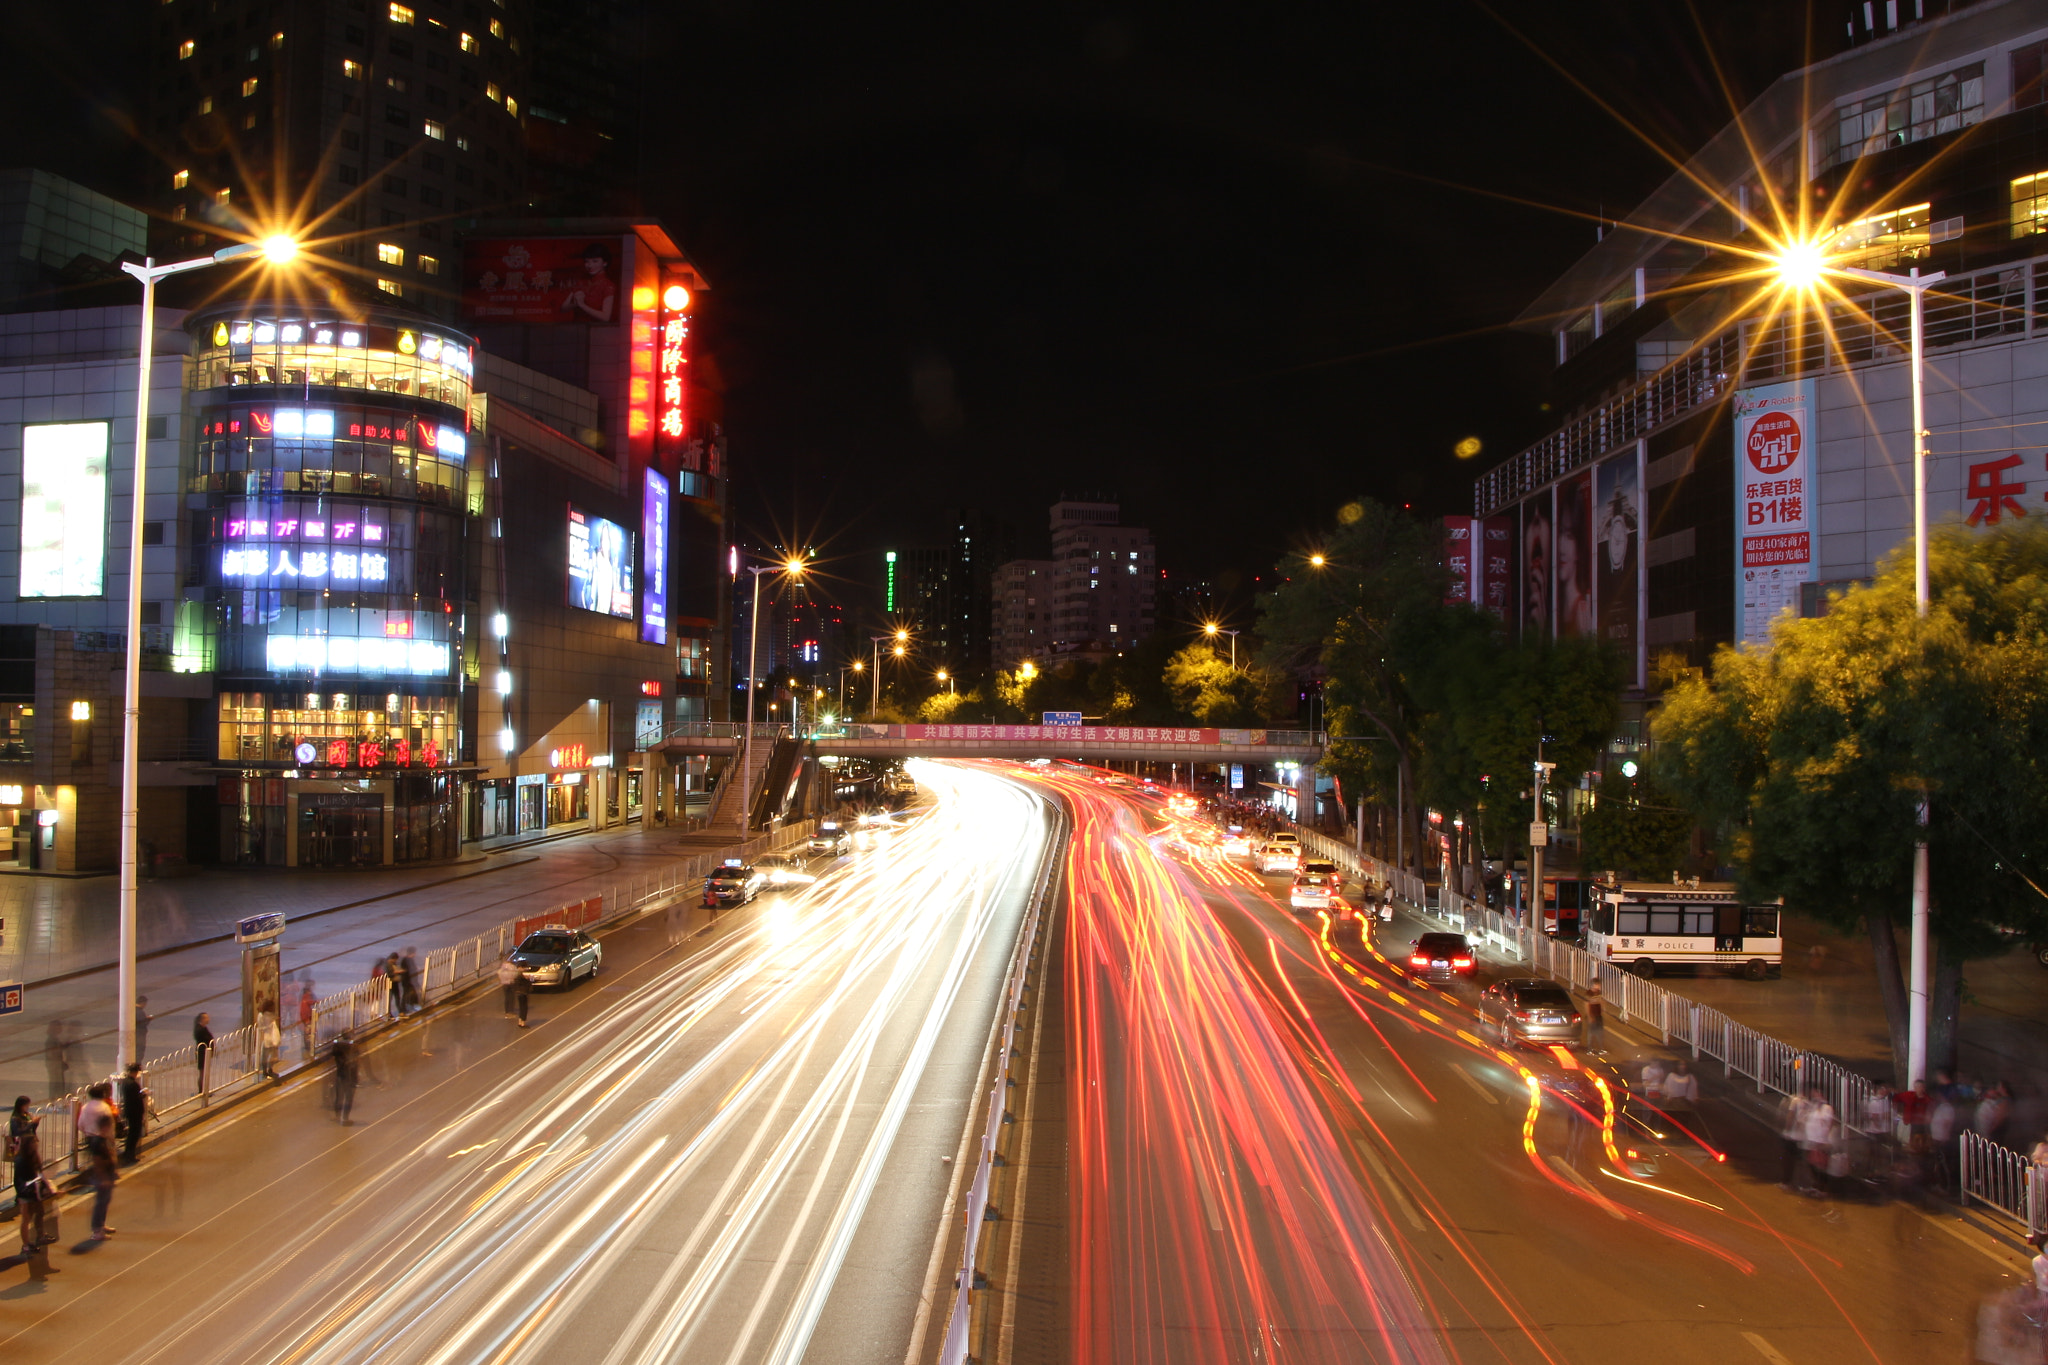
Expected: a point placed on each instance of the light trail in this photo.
(683, 1173)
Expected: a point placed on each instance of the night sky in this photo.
(1233, 265)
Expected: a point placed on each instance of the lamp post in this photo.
(277, 250)
(1801, 266)
(947, 679)
(794, 568)
(1212, 630)
(901, 637)
(858, 667)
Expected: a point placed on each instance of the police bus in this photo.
(1646, 925)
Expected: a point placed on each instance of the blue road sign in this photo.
(259, 927)
(12, 996)
(1060, 718)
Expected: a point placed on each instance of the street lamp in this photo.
(793, 567)
(1802, 265)
(901, 637)
(944, 678)
(1212, 630)
(278, 250)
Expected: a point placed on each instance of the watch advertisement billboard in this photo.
(654, 560)
(600, 565)
(64, 509)
(543, 281)
(1774, 438)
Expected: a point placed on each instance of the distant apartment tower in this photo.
(946, 591)
(1022, 593)
(1104, 578)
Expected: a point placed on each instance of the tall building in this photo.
(1022, 605)
(57, 238)
(945, 590)
(1729, 456)
(1104, 579)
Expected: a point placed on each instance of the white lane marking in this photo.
(1208, 1198)
(1393, 1186)
(1765, 1349)
(1477, 1084)
(1569, 1172)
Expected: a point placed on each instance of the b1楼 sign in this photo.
(1774, 491)
(1060, 717)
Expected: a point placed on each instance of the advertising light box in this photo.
(654, 560)
(600, 565)
(64, 509)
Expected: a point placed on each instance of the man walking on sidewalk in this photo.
(409, 974)
(202, 1047)
(345, 1075)
(269, 1039)
(134, 1097)
(508, 976)
(96, 1125)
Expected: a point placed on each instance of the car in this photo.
(1529, 1012)
(1236, 843)
(1440, 957)
(1323, 866)
(781, 870)
(829, 842)
(733, 883)
(1314, 890)
(1278, 858)
(555, 955)
(1284, 836)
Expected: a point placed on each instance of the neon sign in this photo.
(569, 756)
(668, 367)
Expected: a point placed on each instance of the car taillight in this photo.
(1461, 962)
(1419, 960)
(1572, 1019)
(1525, 1015)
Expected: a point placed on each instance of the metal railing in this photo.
(2000, 1178)
(184, 1083)
(954, 1350)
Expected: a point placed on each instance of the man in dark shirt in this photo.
(134, 1097)
(202, 1046)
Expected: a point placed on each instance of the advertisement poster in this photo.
(542, 281)
(1536, 567)
(1617, 556)
(1495, 556)
(600, 565)
(1774, 532)
(654, 560)
(1572, 556)
(1460, 570)
(63, 509)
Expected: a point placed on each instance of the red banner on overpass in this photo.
(1082, 734)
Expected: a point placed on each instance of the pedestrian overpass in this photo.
(1087, 743)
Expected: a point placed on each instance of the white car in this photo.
(1317, 891)
(1278, 858)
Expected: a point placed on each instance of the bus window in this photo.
(1760, 921)
(1699, 919)
(1665, 919)
(1634, 919)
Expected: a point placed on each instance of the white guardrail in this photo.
(1994, 1176)
(954, 1351)
(182, 1084)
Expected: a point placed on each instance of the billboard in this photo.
(1618, 556)
(600, 565)
(64, 509)
(1536, 567)
(543, 281)
(1774, 439)
(654, 560)
(1478, 555)
(1572, 557)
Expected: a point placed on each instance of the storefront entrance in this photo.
(341, 829)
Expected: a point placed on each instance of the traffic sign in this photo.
(259, 927)
(1539, 834)
(1060, 718)
(13, 995)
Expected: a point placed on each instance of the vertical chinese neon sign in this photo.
(669, 361)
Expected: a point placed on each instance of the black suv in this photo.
(1440, 957)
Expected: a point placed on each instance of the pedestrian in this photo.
(1818, 1138)
(345, 1074)
(2039, 1241)
(1914, 1107)
(409, 969)
(1944, 1124)
(308, 1017)
(96, 1126)
(142, 1018)
(202, 1047)
(521, 989)
(394, 982)
(1681, 1087)
(1596, 1019)
(508, 976)
(57, 1058)
(34, 1197)
(268, 1040)
(1791, 1139)
(134, 1097)
(1878, 1110)
(1653, 1077)
(1993, 1110)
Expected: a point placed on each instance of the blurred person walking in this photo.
(142, 1018)
(269, 1038)
(308, 1017)
(1791, 1139)
(96, 1126)
(57, 1057)
(345, 1076)
(394, 985)
(1818, 1138)
(134, 1097)
(1596, 1019)
(35, 1206)
(409, 975)
(508, 977)
(202, 1048)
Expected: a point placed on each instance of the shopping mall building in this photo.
(407, 586)
(1731, 454)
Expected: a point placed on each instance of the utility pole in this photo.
(1539, 838)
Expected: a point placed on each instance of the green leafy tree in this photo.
(1815, 753)
(1205, 688)
(1636, 828)
(941, 708)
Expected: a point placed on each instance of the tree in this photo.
(1204, 686)
(1636, 828)
(942, 707)
(1815, 753)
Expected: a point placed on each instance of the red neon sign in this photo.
(650, 688)
(668, 368)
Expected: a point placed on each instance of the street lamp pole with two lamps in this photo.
(793, 567)
(902, 639)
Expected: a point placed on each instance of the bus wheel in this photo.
(1756, 969)
(1645, 967)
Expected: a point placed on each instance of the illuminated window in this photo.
(401, 14)
(492, 93)
(221, 196)
(395, 83)
(497, 28)
(1882, 240)
(249, 119)
(1924, 109)
(186, 49)
(2030, 204)
(206, 104)
(184, 178)
(391, 287)
(436, 131)
(428, 265)
(467, 42)
(390, 254)
(461, 144)
(248, 87)
(352, 70)
(178, 213)
(277, 40)
(512, 106)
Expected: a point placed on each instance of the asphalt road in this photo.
(728, 1150)
(1432, 1197)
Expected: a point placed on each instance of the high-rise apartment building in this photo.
(1022, 593)
(945, 591)
(1104, 579)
